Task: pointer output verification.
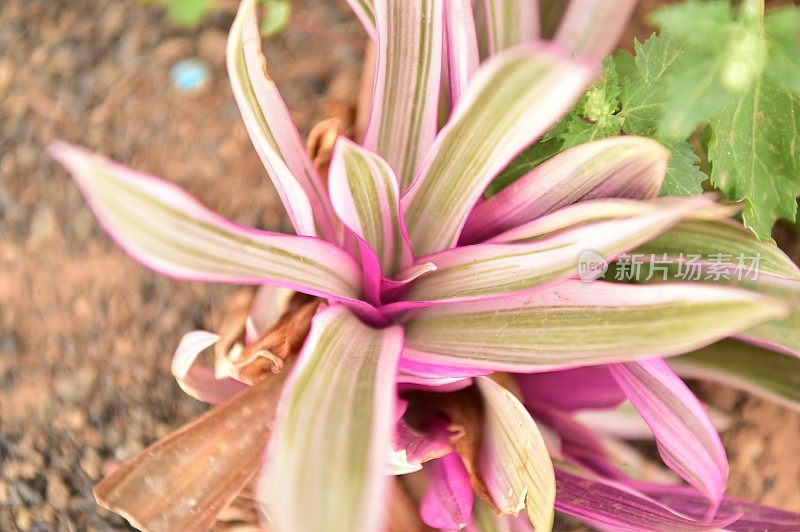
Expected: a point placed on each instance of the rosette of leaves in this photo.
(418, 356)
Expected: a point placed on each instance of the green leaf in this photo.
(187, 12)
(709, 65)
(276, 17)
(756, 155)
(625, 63)
(684, 177)
(748, 367)
(595, 116)
(694, 19)
(643, 96)
(783, 27)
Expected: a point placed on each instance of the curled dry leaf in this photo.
(320, 144)
(184, 480)
(231, 329)
(464, 411)
(241, 514)
(269, 353)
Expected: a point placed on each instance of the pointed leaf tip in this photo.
(166, 229)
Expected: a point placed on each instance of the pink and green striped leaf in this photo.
(592, 28)
(333, 428)
(619, 167)
(512, 100)
(447, 503)
(590, 387)
(273, 133)
(164, 228)
(576, 323)
(721, 241)
(405, 104)
(603, 209)
(514, 463)
(365, 12)
(197, 380)
(610, 505)
(485, 520)
(724, 252)
(755, 369)
(752, 516)
(461, 46)
(364, 192)
(510, 22)
(488, 270)
(686, 437)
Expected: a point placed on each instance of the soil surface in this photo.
(86, 334)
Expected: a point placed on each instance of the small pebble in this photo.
(189, 75)
(23, 519)
(57, 491)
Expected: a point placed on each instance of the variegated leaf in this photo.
(578, 323)
(619, 167)
(760, 371)
(164, 228)
(405, 105)
(364, 192)
(272, 131)
(514, 463)
(333, 427)
(512, 100)
(461, 42)
(511, 22)
(686, 437)
(487, 270)
(592, 28)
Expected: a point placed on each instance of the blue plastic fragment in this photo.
(189, 75)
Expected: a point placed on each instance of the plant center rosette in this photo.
(421, 354)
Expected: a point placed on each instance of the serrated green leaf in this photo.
(602, 98)
(625, 64)
(756, 156)
(595, 115)
(696, 93)
(783, 28)
(684, 177)
(694, 19)
(579, 131)
(643, 96)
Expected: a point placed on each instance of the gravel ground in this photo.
(85, 333)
